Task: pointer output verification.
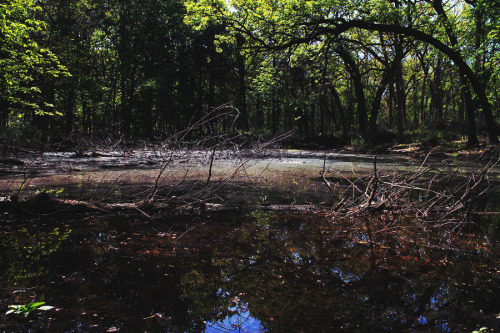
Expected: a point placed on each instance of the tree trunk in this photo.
(375, 107)
(448, 51)
(242, 105)
(390, 102)
(465, 94)
(4, 112)
(437, 95)
(400, 90)
(70, 105)
(341, 112)
(358, 90)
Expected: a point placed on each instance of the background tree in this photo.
(360, 71)
(24, 64)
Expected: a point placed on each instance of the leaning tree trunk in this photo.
(358, 90)
(400, 91)
(448, 51)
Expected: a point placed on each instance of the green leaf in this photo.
(35, 305)
(26, 310)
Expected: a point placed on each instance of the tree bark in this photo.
(353, 69)
(341, 112)
(242, 105)
(375, 107)
(464, 88)
(400, 90)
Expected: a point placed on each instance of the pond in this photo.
(279, 176)
(249, 269)
(254, 271)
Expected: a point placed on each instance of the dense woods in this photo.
(143, 188)
(350, 72)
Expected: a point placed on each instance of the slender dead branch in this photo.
(162, 170)
(327, 183)
(212, 157)
(374, 180)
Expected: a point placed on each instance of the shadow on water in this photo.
(247, 271)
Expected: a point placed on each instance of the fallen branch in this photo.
(441, 196)
(49, 207)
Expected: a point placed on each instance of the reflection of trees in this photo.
(23, 252)
(307, 277)
(490, 221)
(25, 256)
(292, 272)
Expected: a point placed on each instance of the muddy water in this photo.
(245, 270)
(243, 178)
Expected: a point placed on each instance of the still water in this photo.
(243, 270)
(247, 271)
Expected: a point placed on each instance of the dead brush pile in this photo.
(429, 193)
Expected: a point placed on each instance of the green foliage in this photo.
(433, 138)
(357, 142)
(54, 192)
(26, 310)
(481, 330)
(301, 26)
(146, 68)
(21, 130)
(23, 61)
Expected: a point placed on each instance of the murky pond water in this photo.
(246, 176)
(247, 271)
(244, 270)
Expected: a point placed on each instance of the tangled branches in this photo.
(431, 192)
(196, 181)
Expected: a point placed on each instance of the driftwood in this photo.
(42, 204)
(11, 161)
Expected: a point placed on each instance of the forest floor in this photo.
(455, 149)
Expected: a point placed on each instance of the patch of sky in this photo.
(346, 277)
(239, 320)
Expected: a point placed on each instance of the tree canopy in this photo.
(23, 60)
(340, 71)
(277, 25)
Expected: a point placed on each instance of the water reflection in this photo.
(238, 321)
(249, 271)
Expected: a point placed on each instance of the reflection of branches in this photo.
(237, 317)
